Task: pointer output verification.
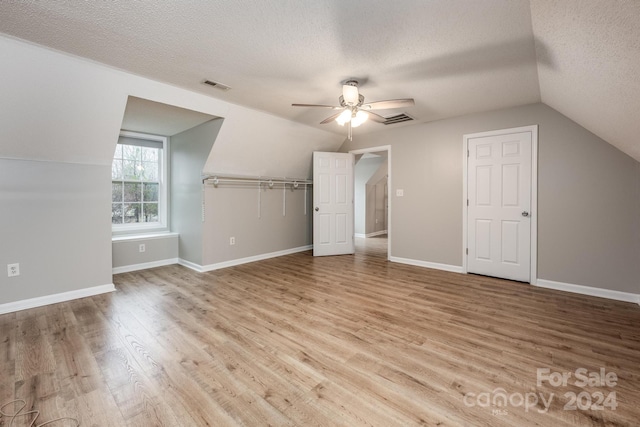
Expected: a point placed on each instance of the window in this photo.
(138, 190)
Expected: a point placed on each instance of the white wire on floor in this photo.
(20, 413)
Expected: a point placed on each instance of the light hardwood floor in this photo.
(298, 340)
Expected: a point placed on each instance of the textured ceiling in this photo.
(453, 56)
(594, 46)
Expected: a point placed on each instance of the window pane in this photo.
(132, 212)
(116, 213)
(116, 191)
(135, 188)
(116, 169)
(118, 153)
(139, 171)
(150, 193)
(150, 154)
(149, 171)
(131, 152)
(129, 170)
(132, 192)
(150, 212)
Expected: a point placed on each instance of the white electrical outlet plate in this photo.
(399, 193)
(13, 270)
(142, 247)
(232, 241)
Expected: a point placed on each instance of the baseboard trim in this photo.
(434, 265)
(374, 234)
(55, 298)
(239, 261)
(588, 290)
(144, 266)
(191, 265)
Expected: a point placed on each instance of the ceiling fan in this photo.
(354, 111)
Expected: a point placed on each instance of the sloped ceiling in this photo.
(146, 116)
(594, 46)
(453, 56)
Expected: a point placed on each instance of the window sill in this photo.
(144, 236)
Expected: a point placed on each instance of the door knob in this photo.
(525, 213)
(317, 209)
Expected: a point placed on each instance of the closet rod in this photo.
(215, 178)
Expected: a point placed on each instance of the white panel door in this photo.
(332, 203)
(499, 206)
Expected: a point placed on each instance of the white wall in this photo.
(64, 109)
(189, 152)
(159, 250)
(376, 214)
(271, 222)
(254, 143)
(55, 222)
(77, 107)
(56, 107)
(588, 196)
(364, 170)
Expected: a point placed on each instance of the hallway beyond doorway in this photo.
(375, 247)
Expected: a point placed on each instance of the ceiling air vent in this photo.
(398, 118)
(216, 85)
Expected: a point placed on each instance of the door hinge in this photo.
(467, 153)
(467, 202)
(467, 251)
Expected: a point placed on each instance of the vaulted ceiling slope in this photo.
(589, 65)
(454, 57)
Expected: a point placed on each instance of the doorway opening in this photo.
(372, 210)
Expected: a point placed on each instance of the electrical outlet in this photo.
(232, 241)
(142, 247)
(399, 192)
(13, 270)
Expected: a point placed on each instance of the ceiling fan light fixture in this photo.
(359, 118)
(350, 94)
(344, 117)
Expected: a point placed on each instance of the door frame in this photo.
(386, 148)
(533, 276)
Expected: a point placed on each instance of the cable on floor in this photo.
(20, 413)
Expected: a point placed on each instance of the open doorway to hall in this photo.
(371, 202)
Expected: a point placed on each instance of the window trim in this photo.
(163, 190)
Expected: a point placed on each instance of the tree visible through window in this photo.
(136, 176)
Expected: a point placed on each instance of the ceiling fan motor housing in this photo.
(343, 102)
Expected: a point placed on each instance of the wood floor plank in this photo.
(329, 341)
(8, 340)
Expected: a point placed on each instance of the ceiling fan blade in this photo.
(316, 105)
(376, 117)
(390, 103)
(330, 118)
